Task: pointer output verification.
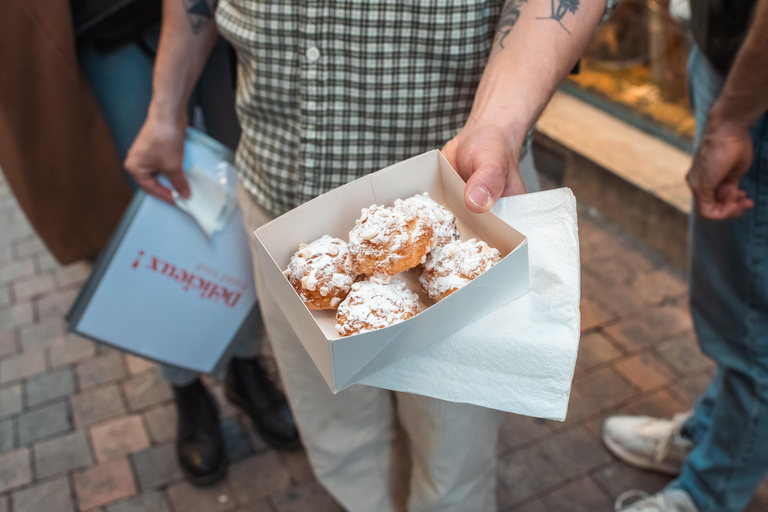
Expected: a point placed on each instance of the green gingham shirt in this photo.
(330, 91)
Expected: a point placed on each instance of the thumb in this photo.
(179, 182)
(484, 187)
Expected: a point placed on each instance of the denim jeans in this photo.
(121, 79)
(729, 305)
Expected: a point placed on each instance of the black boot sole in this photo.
(206, 480)
(278, 444)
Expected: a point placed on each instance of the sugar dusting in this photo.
(324, 265)
(441, 219)
(384, 235)
(452, 266)
(374, 304)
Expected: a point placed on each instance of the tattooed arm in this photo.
(537, 43)
(187, 37)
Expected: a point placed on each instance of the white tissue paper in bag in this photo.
(521, 357)
(211, 204)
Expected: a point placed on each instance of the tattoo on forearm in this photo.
(563, 8)
(509, 16)
(199, 13)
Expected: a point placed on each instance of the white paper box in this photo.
(344, 361)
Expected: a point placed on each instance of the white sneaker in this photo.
(671, 500)
(648, 443)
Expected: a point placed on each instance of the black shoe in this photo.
(200, 445)
(249, 387)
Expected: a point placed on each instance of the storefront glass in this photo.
(637, 60)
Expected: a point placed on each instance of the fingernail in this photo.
(480, 197)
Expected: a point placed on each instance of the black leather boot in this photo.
(200, 445)
(251, 388)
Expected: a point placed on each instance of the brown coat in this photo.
(55, 148)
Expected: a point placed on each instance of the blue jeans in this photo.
(121, 79)
(729, 305)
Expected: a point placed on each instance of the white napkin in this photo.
(521, 357)
(210, 203)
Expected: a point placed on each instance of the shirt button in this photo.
(313, 54)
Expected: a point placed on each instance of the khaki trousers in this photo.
(375, 450)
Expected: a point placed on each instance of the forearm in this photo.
(744, 97)
(537, 43)
(187, 37)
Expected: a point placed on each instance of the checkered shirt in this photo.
(330, 91)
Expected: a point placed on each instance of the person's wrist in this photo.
(723, 121)
(511, 129)
(166, 115)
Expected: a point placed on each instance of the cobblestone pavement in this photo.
(84, 427)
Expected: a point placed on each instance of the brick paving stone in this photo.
(575, 452)
(24, 365)
(298, 465)
(8, 345)
(235, 438)
(157, 466)
(266, 469)
(30, 247)
(609, 272)
(645, 371)
(580, 406)
(186, 498)
(103, 484)
(15, 469)
(97, 405)
(690, 388)
(619, 477)
(51, 496)
(7, 435)
(45, 421)
(10, 400)
(70, 349)
(161, 423)
(632, 334)
(517, 430)
(146, 389)
(42, 334)
(115, 438)
(595, 349)
(15, 316)
(592, 315)
(100, 370)
(533, 506)
(525, 473)
(32, 286)
(5, 296)
(262, 506)
(45, 262)
(148, 502)
(49, 386)
(605, 387)
(138, 364)
(670, 321)
(590, 285)
(684, 356)
(582, 495)
(658, 285)
(73, 275)
(56, 303)
(659, 405)
(62, 454)
(307, 496)
(13, 270)
(620, 302)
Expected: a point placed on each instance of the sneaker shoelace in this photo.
(665, 432)
(645, 502)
